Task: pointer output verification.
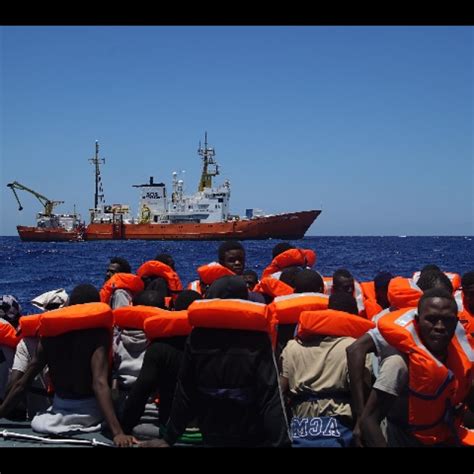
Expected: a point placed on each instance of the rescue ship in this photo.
(50, 227)
(204, 215)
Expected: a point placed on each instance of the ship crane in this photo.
(46, 203)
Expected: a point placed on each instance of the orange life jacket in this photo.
(289, 258)
(160, 269)
(120, 281)
(329, 322)
(133, 317)
(370, 299)
(455, 279)
(167, 324)
(73, 318)
(287, 309)
(29, 325)
(435, 389)
(467, 320)
(212, 271)
(8, 335)
(403, 293)
(273, 287)
(230, 314)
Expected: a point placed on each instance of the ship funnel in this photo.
(151, 180)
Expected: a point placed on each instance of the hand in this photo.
(154, 443)
(124, 441)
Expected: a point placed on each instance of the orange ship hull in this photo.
(283, 226)
(41, 234)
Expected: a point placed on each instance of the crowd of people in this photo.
(291, 359)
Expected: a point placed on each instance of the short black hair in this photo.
(467, 279)
(342, 272)
(434, 278)
(280, 248)
(165, 258)
(288, 275)
(250, 272)
(124, 265)
(429, 267)
(149, 298)
(308, 281)
(228, 287)
(226, 246)
(84, 293)
(343, 302)
(437, 292)
(185, 298)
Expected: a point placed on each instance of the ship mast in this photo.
(209, 166)
(98, 183)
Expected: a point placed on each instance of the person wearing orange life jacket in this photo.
(10, 312)
(231, 261)
(37, 397)
(160, 369)
(75, 344)
(315, 376)
(228, 377)
(120, 285)
(307, 293)
(402, 293)
(375, 295)
(435, 376)
(129, 346)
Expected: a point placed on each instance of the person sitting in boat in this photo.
(251, 278)
(228, 378)
(129, 347)
(159, 371)
(38, 397)
(314, 373)
(286, 258)
(75, 343)
(120, 284)
(425, 389)
(375, 294)
(231, 261)
(10, 312)
(160, 275)
(466, 314)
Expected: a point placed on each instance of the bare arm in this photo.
(99, 366)
(21, 381)
(356, 354)
(375, 411)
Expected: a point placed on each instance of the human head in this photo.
(343, 302)
(231, 255)
(84, 293)
(117, 265)
(250, 278)
(308, 281)
(430, 267)
(437, 318)
(288, 275)
(185, 298)
(280, 248)
(342, 282)
(10, 309)
(381, 281)
(434, 278)
(149, 298)
(166, 259)
(228, 287)
(467, 285)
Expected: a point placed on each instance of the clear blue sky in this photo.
(372, 124)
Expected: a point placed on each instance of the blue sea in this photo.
(31, 268)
